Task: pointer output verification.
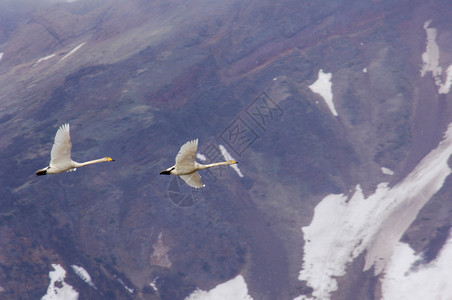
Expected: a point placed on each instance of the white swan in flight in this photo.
(60, 156)
(186, 166)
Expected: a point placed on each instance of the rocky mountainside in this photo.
(137, 79)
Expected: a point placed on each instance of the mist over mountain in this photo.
(337, 113)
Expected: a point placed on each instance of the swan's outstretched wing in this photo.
(193, 180)
(187, 153)
(61, 150)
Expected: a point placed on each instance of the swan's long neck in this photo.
(223, 163)
(90, 162)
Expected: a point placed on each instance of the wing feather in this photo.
(193, 180)
(61, 150)
(187, 153)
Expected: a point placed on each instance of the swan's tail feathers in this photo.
(41, 172)
(193, 180)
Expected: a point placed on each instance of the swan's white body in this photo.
(186, 166)
(60, 156)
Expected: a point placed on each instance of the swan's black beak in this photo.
(43, 171)
(165, 172)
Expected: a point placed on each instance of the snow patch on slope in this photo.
(228, 156)
(84, 275)
(58, 289)
(322, 86)
(404, 281)
(43, 59)
(387, 171)
(235, 288)
(72, 52)
(153, 284)
(200, 156)
(430, 59)
(445, 87)
(128, 289)
(344, 226)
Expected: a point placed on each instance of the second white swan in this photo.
(186, 166)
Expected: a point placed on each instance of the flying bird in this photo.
(60, 156)
(186, 166)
